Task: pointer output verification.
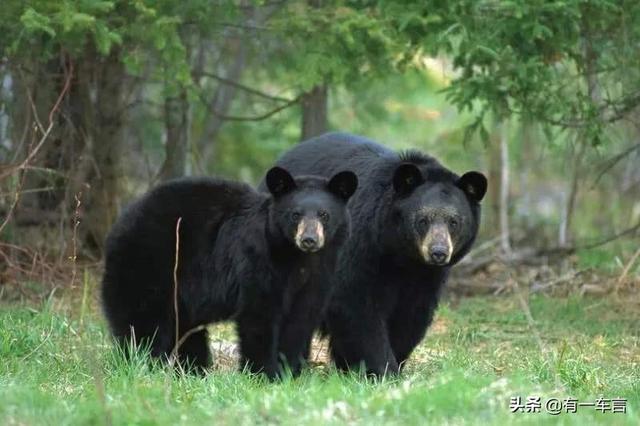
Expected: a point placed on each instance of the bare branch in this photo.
(253, 118)
(183, 338)
(611, 162)
(626, 269)
(263, 4)
(242, 87)
(588, 246)
(44, 137)
(25, 163)
(609, 112)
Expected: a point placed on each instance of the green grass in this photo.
(59, 367)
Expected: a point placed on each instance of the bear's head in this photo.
(435, 213)
(309, 212)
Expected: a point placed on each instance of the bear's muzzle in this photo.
(309, 235)
(436, 247)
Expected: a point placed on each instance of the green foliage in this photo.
(48, 26)
(247, 150)
(571, 64)
(334, 43)
(414, 114)
(337, 42)
(143, 34)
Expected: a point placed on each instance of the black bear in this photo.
(263, 260)
(412, 220)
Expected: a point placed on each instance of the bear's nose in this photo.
(309, 243)
(438, 255)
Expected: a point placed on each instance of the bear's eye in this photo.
(324, 216)
(423, 221)
(453, 223)
(295, 216)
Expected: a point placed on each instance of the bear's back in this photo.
(141, 247)
(145, 231)
(200, 202)
(373, 163)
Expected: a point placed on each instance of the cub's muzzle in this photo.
(309, 235)
(436, 247)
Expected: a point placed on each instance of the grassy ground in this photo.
(58, 367)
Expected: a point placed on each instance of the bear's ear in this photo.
(406, 178)
(474, 184)
(279, 181)
(343, 184)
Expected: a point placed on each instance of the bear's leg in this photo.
(408, 324)
(298, 325)
(194, 353)
(137, 333)
(258, 333)
(359, 339)
(405, 335)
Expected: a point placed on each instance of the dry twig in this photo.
(32, 152)
(74, 238)
(532, 326)
(179, 340)
(174, 352)
(626, 270)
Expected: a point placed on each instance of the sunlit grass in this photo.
(55, 369)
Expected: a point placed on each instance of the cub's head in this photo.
(435, 213)
(309, 212)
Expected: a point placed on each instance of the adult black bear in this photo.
(412, 220)
(263, 260)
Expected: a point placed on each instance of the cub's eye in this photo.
(453, 223)
(423, 221)
(295, 216)
(324, 216)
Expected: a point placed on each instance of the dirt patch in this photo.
(226, 353)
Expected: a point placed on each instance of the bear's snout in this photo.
(438, 254)
(436, 247)
(309, 235)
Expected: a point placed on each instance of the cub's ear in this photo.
(343, 184)
(406, 178)
(279, 181)
(474, 184)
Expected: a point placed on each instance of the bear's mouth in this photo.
(436, 248)
(309, 236)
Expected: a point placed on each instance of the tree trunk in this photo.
(498, 191)
(505, 239)
(314, 112)
(494, 179)
(83, 150)
(526, 165)
(176, 119)
(579, 151)
(43, 88)
(576, 156)
(225, 94)
(314, 103)
(101, 202)
(222, 100)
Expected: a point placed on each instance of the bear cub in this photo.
(263, 260)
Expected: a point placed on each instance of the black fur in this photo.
(237, 259)
(387, 291)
